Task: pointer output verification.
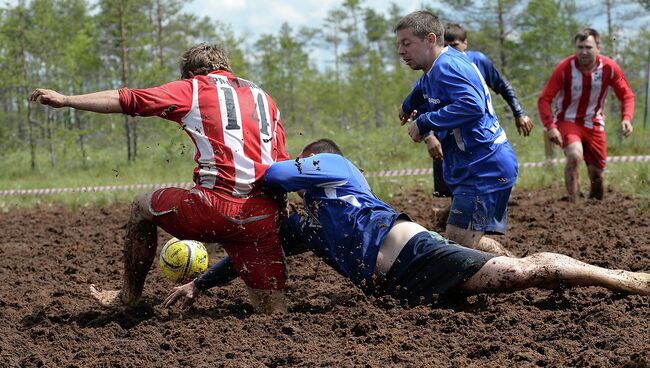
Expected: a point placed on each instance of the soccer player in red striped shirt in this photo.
(578, 122)
(237, 133)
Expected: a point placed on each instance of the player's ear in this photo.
(432, 38)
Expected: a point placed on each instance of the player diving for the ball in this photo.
(385, 253)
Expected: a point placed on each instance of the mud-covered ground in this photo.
(49, 256)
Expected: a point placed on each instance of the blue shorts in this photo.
(487, 212)
(428, 265)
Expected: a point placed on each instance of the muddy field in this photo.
(49, 256)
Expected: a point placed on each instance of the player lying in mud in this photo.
(385, 253)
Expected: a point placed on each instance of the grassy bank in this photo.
(371, 149)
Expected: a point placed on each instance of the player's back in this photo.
(237, 132)
(345, 222)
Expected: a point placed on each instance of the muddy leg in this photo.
(574, 156)
(597, 183)
(441, 215)
(550, 271)
(492, 246)
(139, 253)
(475, 240)
(268, 301)
(139, 249)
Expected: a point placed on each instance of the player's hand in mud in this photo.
(188, 292)
(107, 298)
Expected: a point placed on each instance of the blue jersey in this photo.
(478, 157)
(344, 222)
(498, 83)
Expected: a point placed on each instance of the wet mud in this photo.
(49, 257)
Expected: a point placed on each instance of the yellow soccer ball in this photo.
(183, 260)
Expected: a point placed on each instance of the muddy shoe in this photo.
(107, 298)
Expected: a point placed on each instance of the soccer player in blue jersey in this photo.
(385, 253)
(480, 166)
(456, 37)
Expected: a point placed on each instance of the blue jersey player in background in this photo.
(385, 253)
(480, 166)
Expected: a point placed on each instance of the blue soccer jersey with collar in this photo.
(478, 157)
(344, 223)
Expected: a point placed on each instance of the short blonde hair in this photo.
(203, 59)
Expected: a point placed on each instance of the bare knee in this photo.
(541, 269)
(141, 208)
(498, 275)
(574, 155)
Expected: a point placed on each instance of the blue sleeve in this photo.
(415, 100)
(219, 274)
(467, 104)
(497, 82)
(306, 173)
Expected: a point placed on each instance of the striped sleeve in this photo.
(169, 101)
(623, 92)
(549, 92)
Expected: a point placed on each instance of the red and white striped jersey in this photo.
(582, 95)
(235, 127)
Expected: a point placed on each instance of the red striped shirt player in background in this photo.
(237, 134)
(578, 122)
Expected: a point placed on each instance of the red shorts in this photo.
(247, 229)
(594, 147)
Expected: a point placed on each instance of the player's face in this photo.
(586, 52)
(459, 45)
(416, 53)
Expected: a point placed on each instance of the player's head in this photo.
(203, 59)
(455, 36)
(418, 36)
(587, 45)
(322, 145)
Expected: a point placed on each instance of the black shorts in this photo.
(428, 265)
(440, 188)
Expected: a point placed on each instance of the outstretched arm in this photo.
(102, 102)
(219, 274)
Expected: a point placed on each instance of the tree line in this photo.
(344, 72)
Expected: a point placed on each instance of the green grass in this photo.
(372, 150)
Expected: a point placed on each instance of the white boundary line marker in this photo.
(383, 173)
